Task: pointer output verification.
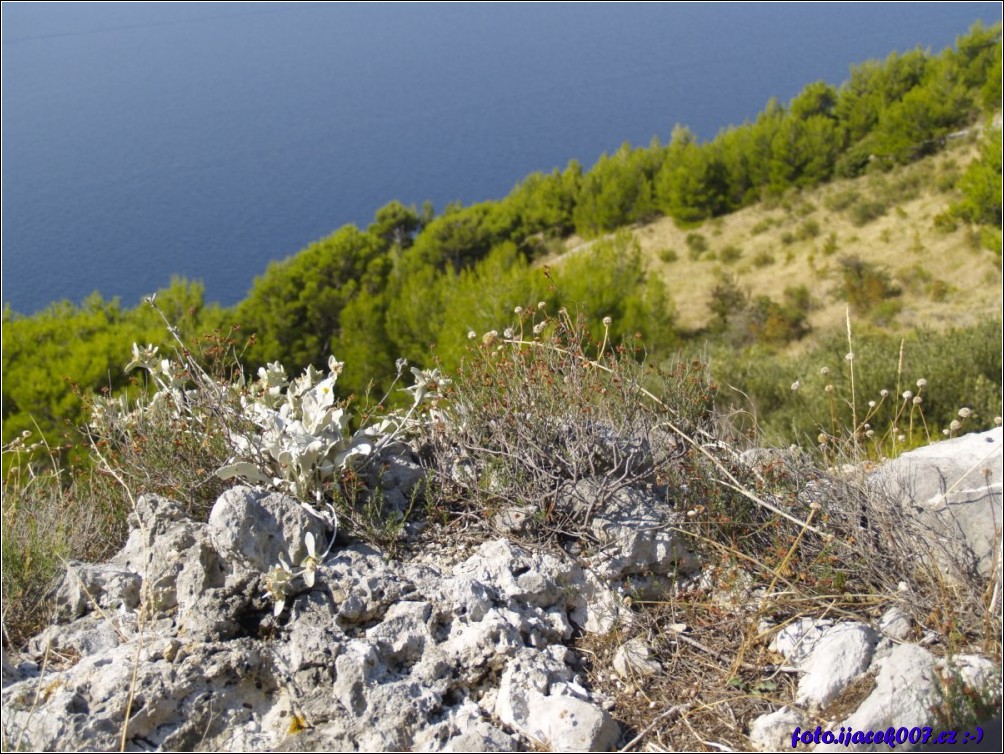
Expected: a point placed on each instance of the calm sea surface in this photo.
(143, 141)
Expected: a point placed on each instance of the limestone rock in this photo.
(773, 731)
(86, 587)
(841, 654)
(895, 623)
(797, 639)
(541, 700)
(953, 490)
(634, 658)
(906, 689)
(252, 529)
(172, 554)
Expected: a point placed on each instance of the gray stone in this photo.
(539, 699)
(841, 654)
(179, 699)
(953, 490)
(515, 520)
(251, 529)
(172, 554)
(974, 672)
(635, 537)
(466, 728)
(906, 690)
(633, 659)
(86, 587)
(10, 672)
(91, 634)
(796, 640)
(896, 623)
(773, 731)
(395, 474)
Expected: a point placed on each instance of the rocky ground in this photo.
(246, 633)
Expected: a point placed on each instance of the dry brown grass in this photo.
(902, 239)
(50, 515)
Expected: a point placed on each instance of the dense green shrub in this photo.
(697, 244)
(961, 369)
(864, 285)
(53, 360)
(865, 211)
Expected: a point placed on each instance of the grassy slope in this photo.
(904, 241)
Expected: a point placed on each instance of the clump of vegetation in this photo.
(52, 512)
(697, 244)
(830, 245)
(741, 320)
(840, 201)
(542, 409)
(808, 230)
(865, 211)
(865, 286)
(730, 254)
(961, 368)
(763, 226)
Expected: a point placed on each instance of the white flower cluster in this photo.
(290, 436)
(301, 442)
(302, 437)
(279, 580)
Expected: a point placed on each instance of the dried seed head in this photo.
(541, 305)
(471, 335)
(965, 412)
(795, 385)
(955, 426)
(884, 393)
(824, 371)
(921, 383)
(518, 310)
(607, 321)
(828, 388)
(907, 395)
(850, 356)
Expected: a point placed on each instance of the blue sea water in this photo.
(146, 140)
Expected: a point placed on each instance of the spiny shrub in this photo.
(544, 426)
(730, 254)
(863, 285)
(697, 243)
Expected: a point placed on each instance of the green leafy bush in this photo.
(961, 369)
(730, 254)
(863, 285)
(697, 244)
(865, 211)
